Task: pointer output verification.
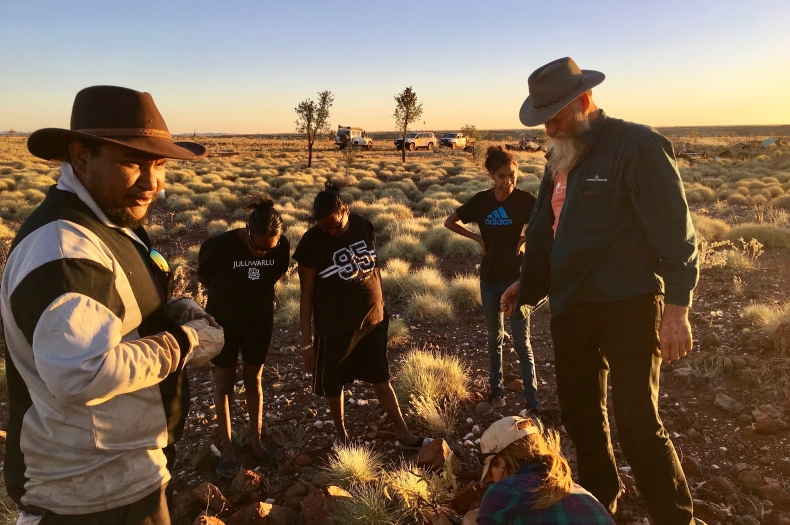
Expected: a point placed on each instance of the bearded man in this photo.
(95, 359)
(610, 242)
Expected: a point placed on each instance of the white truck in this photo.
(351, 136)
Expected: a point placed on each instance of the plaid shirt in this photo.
(510, 502)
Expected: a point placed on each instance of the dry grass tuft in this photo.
(431, 375)
(768, 235)
(709, 229)
(368, 505)
(430, 307)
(438, 417)
(351, 465)
(766, 316)
(464, 291)
(398, 331)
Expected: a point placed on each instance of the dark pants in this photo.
(150, 510)
(590, 340)
(491, 293)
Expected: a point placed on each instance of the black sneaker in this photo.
(492, 401)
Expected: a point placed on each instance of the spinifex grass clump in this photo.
(398, 331)
(432, 374)
(430, 307)
(766, 316)
(464, 291)
(432, 384)
(351, 465)
(369, 505)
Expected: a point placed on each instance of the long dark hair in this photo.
(264, 219)
(327, 202)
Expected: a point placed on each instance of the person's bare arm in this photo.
(307, 288)
(452, 223)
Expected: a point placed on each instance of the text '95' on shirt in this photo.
(347, 293)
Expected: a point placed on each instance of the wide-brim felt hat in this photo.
(554, 86)
(113, 115)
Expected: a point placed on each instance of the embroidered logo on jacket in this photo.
(498, 217)
(352, 263)
(254, 274)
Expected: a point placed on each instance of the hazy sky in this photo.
(242, 66)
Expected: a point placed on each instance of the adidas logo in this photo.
(498, 217)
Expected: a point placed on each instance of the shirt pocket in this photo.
(597, 197)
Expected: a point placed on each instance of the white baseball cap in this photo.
(502, 434)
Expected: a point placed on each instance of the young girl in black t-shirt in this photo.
(501, 213)
(240, 268)
(341, 293)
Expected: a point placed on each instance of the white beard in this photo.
(567, 148)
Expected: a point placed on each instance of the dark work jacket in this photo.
(625, 228)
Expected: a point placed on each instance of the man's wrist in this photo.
(676, 310)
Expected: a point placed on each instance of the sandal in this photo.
(417, 445)
(227, 469)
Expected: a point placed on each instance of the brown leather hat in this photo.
(554, 86)
(113, 115)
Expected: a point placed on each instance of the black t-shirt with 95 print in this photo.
(501, 224)
(347, 293)
(242, 284)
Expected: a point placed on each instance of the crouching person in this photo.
(532, 480)
(98, 394)
(341, 293)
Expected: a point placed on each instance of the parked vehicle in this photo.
(416, 140)
(453, 140)
(351, 136)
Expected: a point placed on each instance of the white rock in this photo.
(318, 424)
(477, 430)
(469, 444)
(469, 436)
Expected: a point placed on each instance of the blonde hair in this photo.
(542, 447)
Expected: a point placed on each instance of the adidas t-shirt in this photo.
(501, 224)
(347, 292)
(242, 284)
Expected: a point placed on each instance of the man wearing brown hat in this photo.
(95, 361)
(610, 242)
